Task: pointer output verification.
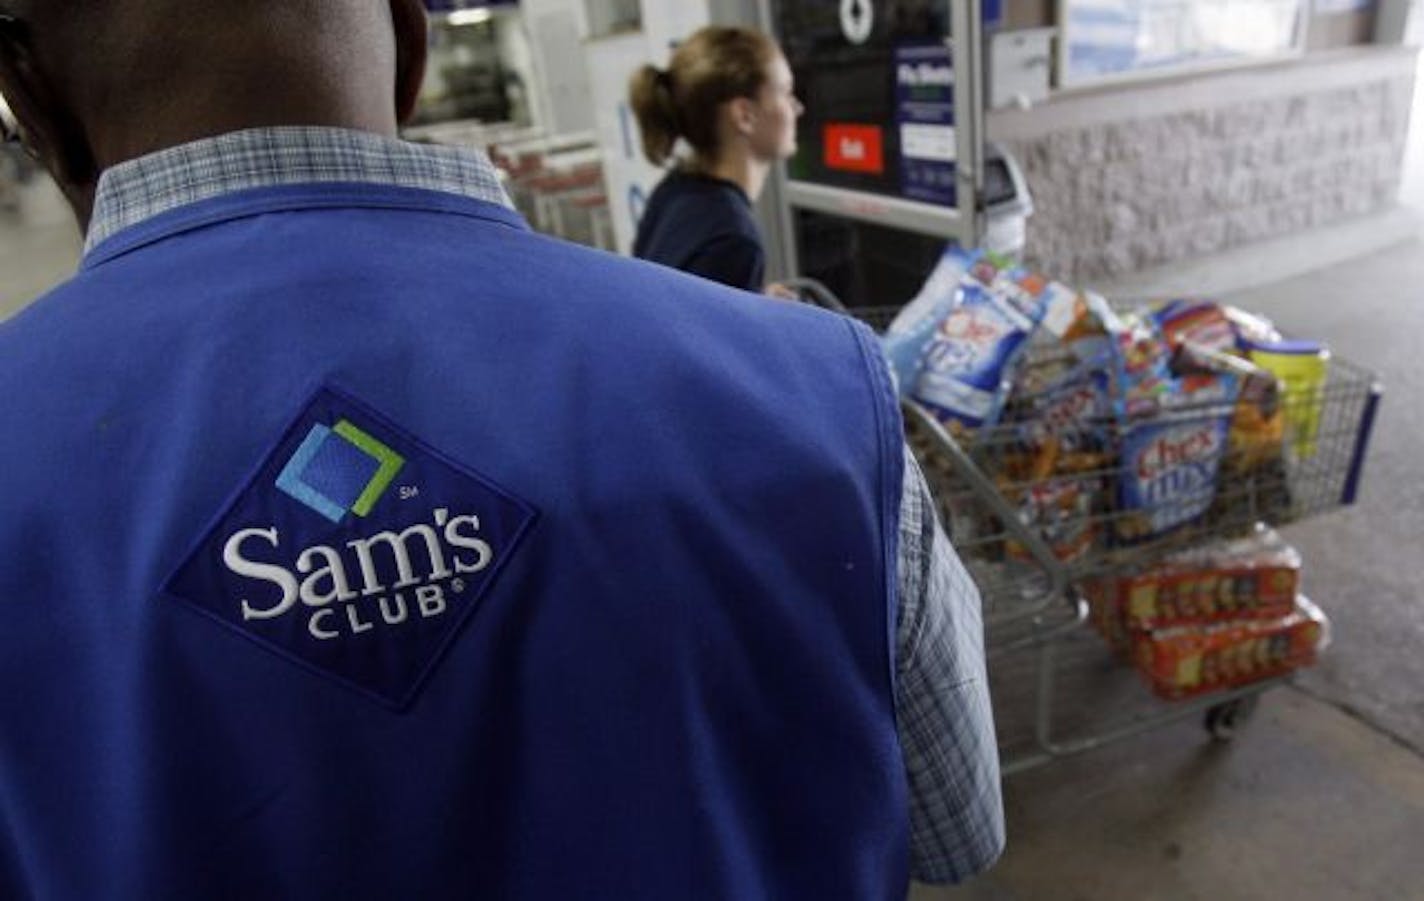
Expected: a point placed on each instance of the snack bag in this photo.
(1046, 357)
(1072, 412)
(1193, 660)
(908, 335)
(1259, 423)
(1200, 322)
(1062, 412)
(1070, 316)
(1143, 366)
(1061, 510)
(1255, 577)
(1056, 492)
(1170, 463)
(1001, 275)
(1071, 343)
(961, 379)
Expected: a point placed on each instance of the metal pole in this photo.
(966, 49)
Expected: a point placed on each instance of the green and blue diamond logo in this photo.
(339, 470)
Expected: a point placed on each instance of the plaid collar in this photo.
(140, 189)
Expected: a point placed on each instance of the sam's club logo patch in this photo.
(355, 550)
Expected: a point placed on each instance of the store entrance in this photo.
(863, 264)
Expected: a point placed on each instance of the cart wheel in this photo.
(1223, 719)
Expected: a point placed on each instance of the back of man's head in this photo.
(97, 82)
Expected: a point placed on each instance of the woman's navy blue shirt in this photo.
(703, 225)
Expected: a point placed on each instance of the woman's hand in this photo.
(780, 291)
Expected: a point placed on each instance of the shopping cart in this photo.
(1058, 688)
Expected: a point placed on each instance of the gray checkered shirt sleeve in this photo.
(945, 722)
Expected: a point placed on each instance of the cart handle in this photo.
(1042, 635)
(988, 494)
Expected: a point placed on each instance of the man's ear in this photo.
(53, 136)
(412, 44)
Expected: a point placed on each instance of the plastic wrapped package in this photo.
(1193, 660)
(1255, 577)
(909, 333)
(963, 376)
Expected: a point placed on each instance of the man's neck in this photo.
(143, 138)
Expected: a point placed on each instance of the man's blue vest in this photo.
(359, 543)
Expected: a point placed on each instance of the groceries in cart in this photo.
(1220, 615)
(1107, 429)
(1123, 459)
(1186, 662)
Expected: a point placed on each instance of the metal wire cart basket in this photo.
(1042, 520)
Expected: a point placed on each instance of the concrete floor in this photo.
(1306, 803)
(1322, 793)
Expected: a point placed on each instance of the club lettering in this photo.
(361, 587)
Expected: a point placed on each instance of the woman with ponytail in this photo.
(727, 94)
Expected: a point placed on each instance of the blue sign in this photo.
(924, 115)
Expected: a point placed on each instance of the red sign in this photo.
(854, 148)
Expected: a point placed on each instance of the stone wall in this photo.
(1131, 178)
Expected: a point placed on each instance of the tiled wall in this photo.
(1137, 177)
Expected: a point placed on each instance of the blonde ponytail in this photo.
(651, 98)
